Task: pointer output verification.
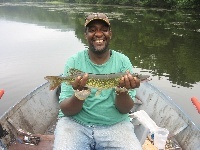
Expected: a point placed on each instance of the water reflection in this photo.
(163, 43)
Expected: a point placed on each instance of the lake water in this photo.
(36, 39)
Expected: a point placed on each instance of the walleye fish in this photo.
(98, 81)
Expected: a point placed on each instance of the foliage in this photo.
(145, 3)
(188, 3)
(172, 3)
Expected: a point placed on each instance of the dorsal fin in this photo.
(73, 71)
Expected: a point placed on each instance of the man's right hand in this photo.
(80, 82)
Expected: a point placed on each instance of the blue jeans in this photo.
(70, 135)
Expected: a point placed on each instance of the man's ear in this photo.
(85, 34)
(110, 34)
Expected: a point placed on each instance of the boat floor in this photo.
(46, 141)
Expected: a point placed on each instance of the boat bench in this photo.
(46, 143)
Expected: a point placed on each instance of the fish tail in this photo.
(54, 81)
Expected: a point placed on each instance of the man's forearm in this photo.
(123, 102)
(71, 106)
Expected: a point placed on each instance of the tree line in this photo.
(190, 4)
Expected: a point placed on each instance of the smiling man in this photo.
(90, 121)
(98, 34)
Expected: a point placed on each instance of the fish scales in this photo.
(103, 83)
(99, 81)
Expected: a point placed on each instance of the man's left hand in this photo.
(129, 82)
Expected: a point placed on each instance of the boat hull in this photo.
(36, 112)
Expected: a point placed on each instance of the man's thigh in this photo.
(70, 135)
(120, 136)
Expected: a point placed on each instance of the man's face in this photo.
(98, 35)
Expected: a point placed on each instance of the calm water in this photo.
(37, 39)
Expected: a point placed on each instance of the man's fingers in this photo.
(132, 82)
(83, 80)
(121, 82)
(135, 82)
(76, 83)
(127, 82)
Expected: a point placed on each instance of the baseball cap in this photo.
(96, 16)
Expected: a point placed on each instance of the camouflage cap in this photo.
(97, 16)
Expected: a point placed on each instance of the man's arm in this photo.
(123, 102)
(73, 105)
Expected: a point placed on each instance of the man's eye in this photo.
(92, 30)
(105, 30)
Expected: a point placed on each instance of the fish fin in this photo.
(143, 77)
(74, 71)
(54, 81)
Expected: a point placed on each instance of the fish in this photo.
(98, 81)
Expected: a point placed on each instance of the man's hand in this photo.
(129, 82)
(80, 82)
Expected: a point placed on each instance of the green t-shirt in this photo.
(97, 109)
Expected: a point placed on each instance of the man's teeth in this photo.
(99, 41)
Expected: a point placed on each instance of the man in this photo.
(90, 121)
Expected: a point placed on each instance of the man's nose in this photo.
(99, 33)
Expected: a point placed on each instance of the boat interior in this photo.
(32, 129)
(46, 140)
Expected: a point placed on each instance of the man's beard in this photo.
(99, 51)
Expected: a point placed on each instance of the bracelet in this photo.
(82, 95)
(120, 90)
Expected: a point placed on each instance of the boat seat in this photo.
(46, 143)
